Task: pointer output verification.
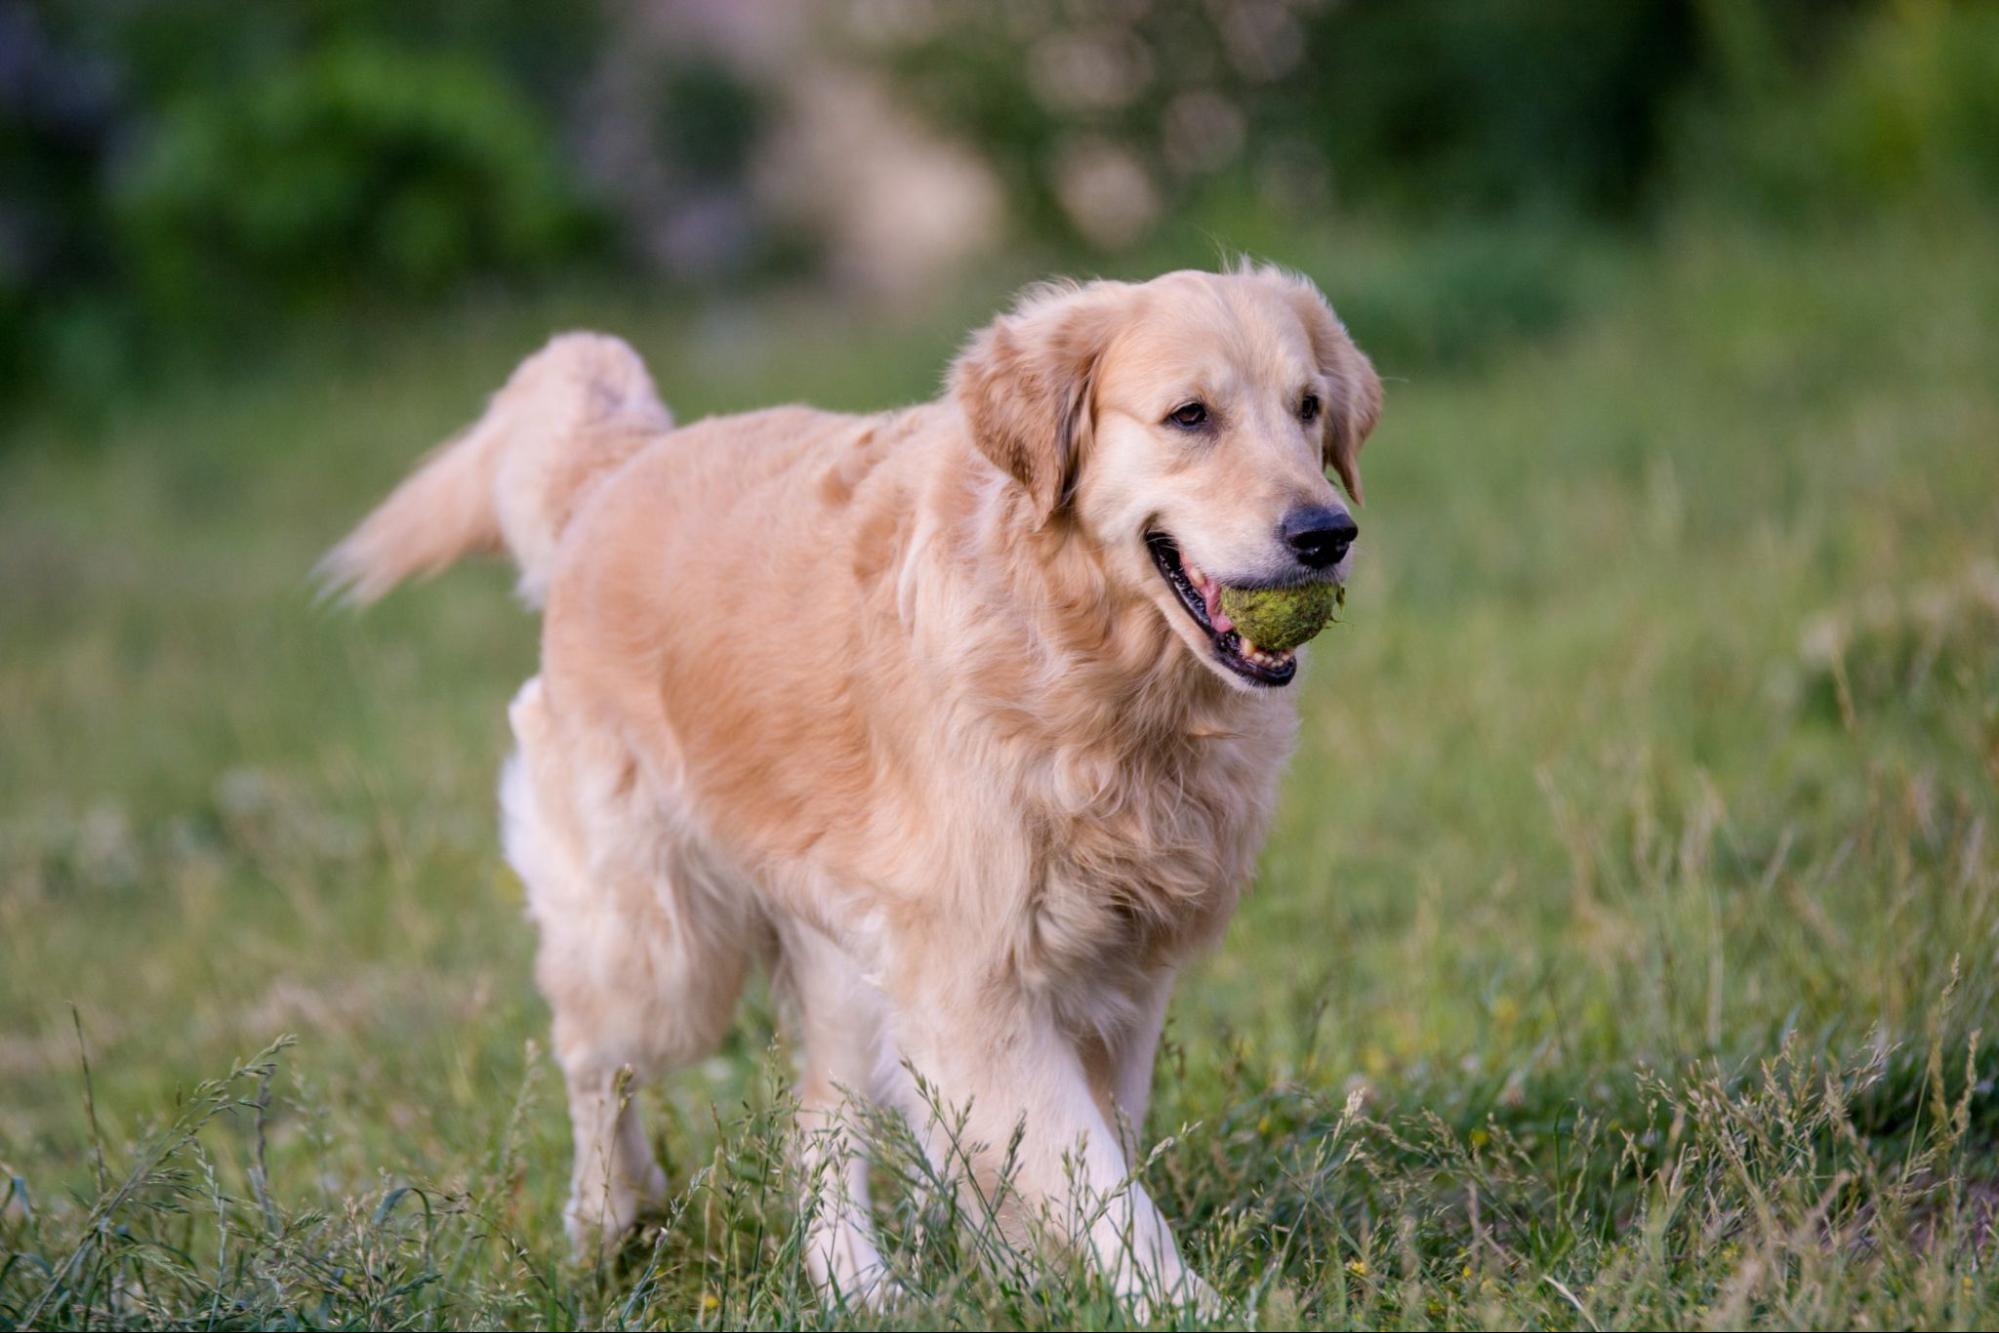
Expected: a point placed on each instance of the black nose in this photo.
(1319, 535)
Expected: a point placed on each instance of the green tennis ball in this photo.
(1279, 619)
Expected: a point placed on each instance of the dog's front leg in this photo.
(998, 1064)
(1121, 1066)
(835, 1016)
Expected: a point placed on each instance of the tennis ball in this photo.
(1279, 619)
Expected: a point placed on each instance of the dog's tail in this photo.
(568, 416)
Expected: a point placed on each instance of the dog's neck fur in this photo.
(1126, 757)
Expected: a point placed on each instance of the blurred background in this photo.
(1634, 882)
(188, 181)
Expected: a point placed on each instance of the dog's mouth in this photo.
(1202, 596)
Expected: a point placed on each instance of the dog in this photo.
(935, 713)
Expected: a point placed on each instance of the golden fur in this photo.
(900, 704)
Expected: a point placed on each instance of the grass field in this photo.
(1625, 955)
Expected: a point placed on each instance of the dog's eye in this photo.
(1308, 411)
(1189, 415)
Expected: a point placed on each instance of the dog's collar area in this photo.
(1265, 668)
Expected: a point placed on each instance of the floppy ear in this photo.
(1355, 390)
(1024, 383)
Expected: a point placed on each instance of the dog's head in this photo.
(1185, 426)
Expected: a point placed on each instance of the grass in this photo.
(1625, 954)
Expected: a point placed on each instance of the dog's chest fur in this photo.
(1144, 846)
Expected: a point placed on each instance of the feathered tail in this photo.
(568, 416)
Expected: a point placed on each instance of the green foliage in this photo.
(709, 120)
(193, 181)
(361, 168)
(1432, 109)
(1496, 106)
(1902, 113)
(1464, 292)
(196, 175)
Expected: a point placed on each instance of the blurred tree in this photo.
(57, 120)
(176, 176)
(1902, 113)
(357, 168)
(1104, 117)
(182, 172)
(1500, 105)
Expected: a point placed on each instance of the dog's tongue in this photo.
(1211, 599)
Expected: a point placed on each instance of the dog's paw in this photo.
(849, 1272)
(875, 1292)
(604, 1225)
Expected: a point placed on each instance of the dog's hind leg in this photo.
(639, 966)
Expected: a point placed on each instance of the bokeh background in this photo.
(187, 181)
(1627, 948)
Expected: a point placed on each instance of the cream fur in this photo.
(901, 703)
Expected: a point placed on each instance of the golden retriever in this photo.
(935, 711)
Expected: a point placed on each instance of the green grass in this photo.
(1625, 954)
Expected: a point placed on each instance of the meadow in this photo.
(1625, 954)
